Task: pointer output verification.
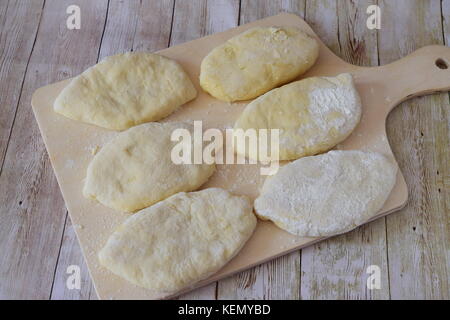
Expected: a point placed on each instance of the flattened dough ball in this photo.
(135, 170)
(126, 90)
(327, 194)
(179, 241)
(256, 61)
(313, 115)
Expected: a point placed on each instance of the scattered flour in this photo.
(70, 164)
(335, 108)
(332, 107)
(327, 194)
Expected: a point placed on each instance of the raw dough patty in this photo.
(125, 90)
(256, 61)
(313, 115)
(179, 241)
(327, 194)
(134, 170)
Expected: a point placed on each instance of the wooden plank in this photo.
(446, 21)
(154, 25)
(195, 19)
(253, 10)
(280, 278)
(445, 185)
(336, 268)
(17, 37)
(70, 255)
(191, 20)
(30, 197)
(327, 29)
(417, 236)
(120, 28)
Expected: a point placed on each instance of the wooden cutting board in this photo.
(70, 145)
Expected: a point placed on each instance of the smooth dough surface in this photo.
(313, 115)
(256, 61)
(181, 240)
(327, 194)
(135, 170)
(126, 90)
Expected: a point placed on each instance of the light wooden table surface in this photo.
(37, 241)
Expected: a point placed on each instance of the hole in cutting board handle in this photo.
(441, 63)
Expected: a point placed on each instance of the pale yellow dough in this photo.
(327, 194)
(134, 170)
(179, 241)
(125, 90)
(313, 115)
(256, 61)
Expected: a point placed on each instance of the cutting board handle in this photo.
(423, 72)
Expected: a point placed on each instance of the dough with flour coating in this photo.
(135, 170)
(312, 115)
(179, 241)
(256, 61)
(126, 90)
(327, 194)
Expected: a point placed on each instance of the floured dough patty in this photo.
(327, 194)
(313, 115)
(125, 90)
(256, 61)
(135, 170)
(179, 241)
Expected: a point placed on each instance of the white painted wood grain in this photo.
(154, 25)
(120, 28)
(322, 16)
(198, 18)
(444, 186)
(32, 209)
(17, 37)
(253, 10)
(417, 236)
(70, 255)
(446, 20)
